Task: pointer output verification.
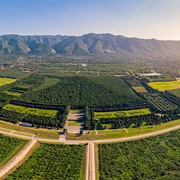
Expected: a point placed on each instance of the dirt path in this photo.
(17, 158)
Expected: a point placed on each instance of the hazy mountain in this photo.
(88, 44)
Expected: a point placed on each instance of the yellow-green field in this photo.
(162, 86)
(4, 81)
(33, 111)
(13, 93)
(127, 113)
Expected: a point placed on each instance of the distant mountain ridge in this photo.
(88, 44)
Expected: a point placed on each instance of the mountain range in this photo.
(88, 44)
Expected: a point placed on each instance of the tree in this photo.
(81, 132)
(65, 131)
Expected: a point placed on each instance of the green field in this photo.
(74, 123)
(13, 93)
(116, 114)
(4, 81)
(47, 83)
(33, 111)
(162, 86)
(9, 147)
(176, 92)
(152, 158)
(53, 162)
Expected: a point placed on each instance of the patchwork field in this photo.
(52, 161)
(162, 86)
(33, 111)
(9, 147)
(4, 81)
(152, 158)
(127, 113)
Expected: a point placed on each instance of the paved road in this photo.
(90, 169)
(17, 158)
(95, 141)
(75, 116)
(90, 156)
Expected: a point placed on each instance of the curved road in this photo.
(90, 169)
(95, 141)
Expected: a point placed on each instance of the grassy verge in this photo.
(83, 171)
(39, 132)
(138, 131)
(122, 133)
(96, 161)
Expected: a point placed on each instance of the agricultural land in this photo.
(152, 158)
(52, 161)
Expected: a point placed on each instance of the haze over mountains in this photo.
(88, 44)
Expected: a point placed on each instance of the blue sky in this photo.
(158, 19)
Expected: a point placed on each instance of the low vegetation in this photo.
(152, 158)
(32, 111)
(176, 92)
(4, 81)
(162, 86)
(54, 162)
(121, 114)
(9, 147)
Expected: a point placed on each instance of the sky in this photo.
(159, 19)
